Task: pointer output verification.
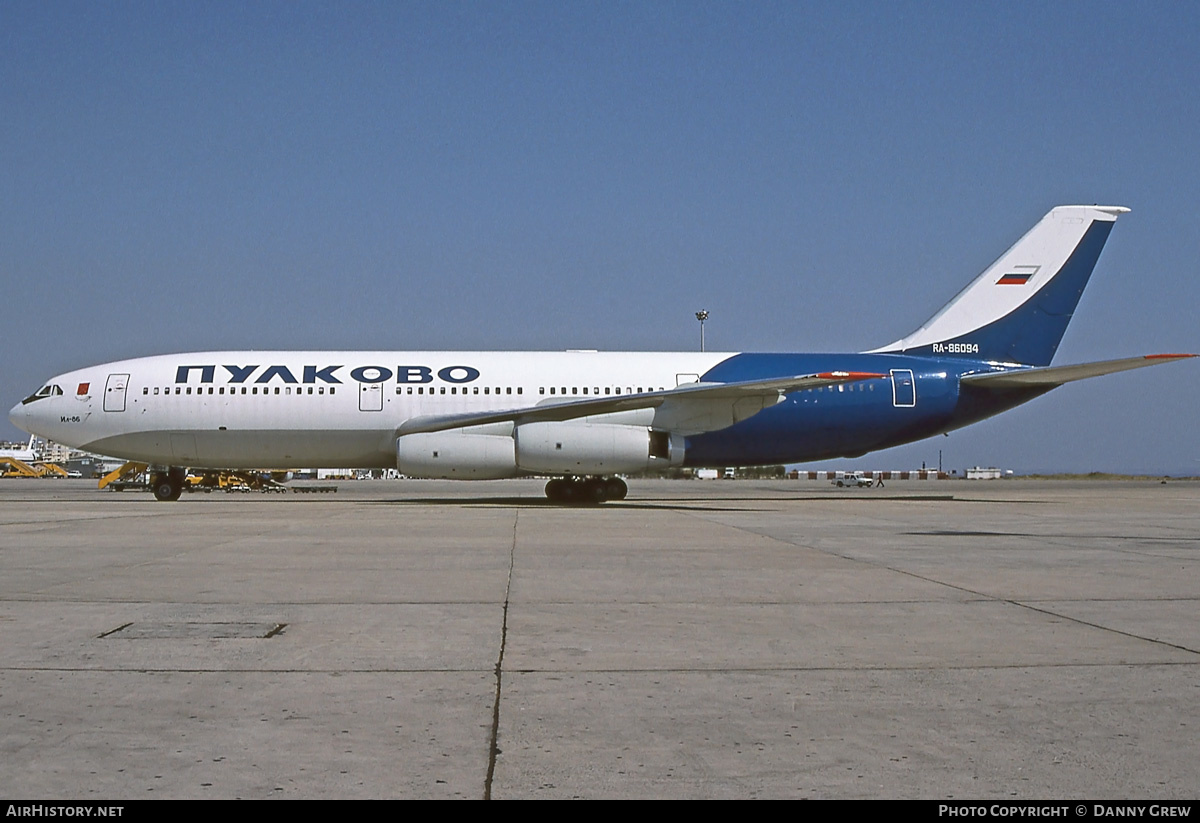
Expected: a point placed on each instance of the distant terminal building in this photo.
(52, 452)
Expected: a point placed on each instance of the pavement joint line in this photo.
(1029, 605)
(1082, 622)
(493, 748)
(983, 595)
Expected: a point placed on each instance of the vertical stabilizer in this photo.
(1019, 308)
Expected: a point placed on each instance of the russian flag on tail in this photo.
(1017, 276)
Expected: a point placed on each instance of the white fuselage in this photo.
(268, 409)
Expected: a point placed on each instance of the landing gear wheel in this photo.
(164, 491)
(591, 490)
(615, 489)
(569, 491)
(168, 485)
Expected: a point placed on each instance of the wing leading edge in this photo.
(699, 395)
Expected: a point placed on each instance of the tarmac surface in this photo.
(1009, 639)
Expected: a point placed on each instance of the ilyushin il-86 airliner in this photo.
(583, 418)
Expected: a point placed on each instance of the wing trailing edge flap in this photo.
(687, 409)
(1051, 376)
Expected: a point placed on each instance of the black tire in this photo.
(615, 488)
(594, 490)
(164, 491)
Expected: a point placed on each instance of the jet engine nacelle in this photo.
(454, 455)
(537, 448)
(592, 448)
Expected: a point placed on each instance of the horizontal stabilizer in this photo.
(772, 389)
(1057, 375)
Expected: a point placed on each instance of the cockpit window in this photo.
(45, 391)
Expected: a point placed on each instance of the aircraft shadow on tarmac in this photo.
(542, 503)
(646, 504)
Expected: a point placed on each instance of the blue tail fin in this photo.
(1018, 310)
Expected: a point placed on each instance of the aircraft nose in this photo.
(18, 415)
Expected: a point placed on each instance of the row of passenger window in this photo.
(244, 390)
(454, 390)
(554, 390)
(596, 390)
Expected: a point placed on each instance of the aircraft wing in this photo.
(1051, 376)
(692, 394)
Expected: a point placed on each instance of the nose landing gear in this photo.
(586, 489)
(168, 485)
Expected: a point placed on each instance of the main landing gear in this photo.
(168, 485)
(586, 489)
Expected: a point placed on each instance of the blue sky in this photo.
(819, 176)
